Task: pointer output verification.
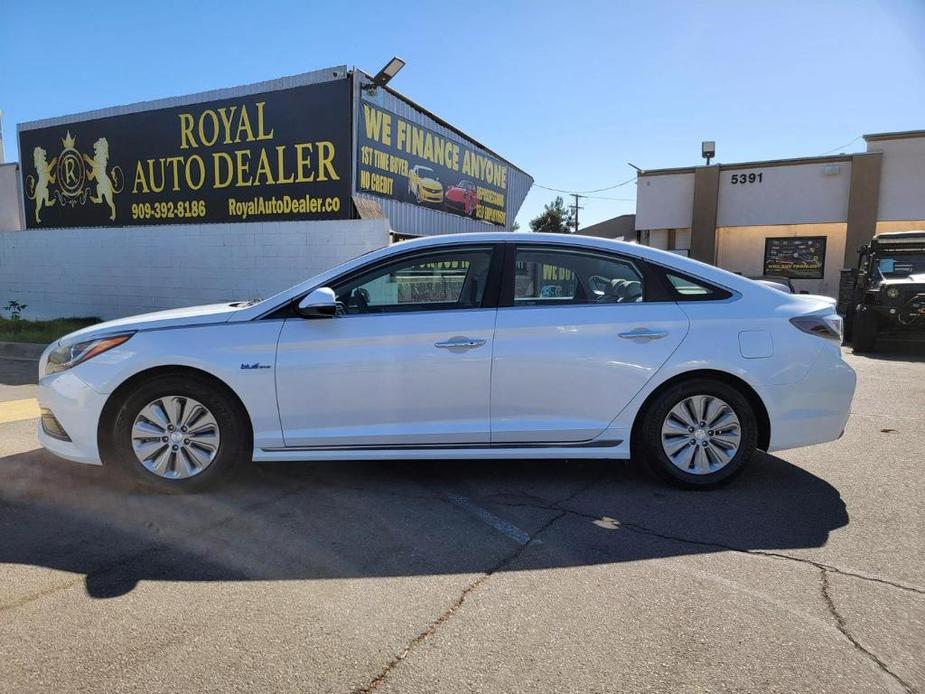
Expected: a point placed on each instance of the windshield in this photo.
(900, 264)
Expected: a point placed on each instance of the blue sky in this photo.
(570, 92)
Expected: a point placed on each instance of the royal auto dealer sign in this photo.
(279, 155)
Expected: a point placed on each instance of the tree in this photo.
(556, 218)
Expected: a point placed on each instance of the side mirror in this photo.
(318, 303)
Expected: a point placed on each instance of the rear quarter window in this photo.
(686, 288)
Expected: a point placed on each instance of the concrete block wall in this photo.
(112, 273)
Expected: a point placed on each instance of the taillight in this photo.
(828, 326)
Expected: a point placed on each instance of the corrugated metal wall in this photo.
(316, 77)
(421, 221)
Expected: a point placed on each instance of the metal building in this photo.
(233, 193)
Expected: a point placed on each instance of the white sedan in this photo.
(492, 345)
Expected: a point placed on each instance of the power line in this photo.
(582, 192)
(842, 147)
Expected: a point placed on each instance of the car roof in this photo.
(655, 255)
(681, 264)
(890, 235)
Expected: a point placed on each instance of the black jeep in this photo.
(885, 295)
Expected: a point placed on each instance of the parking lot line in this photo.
(499, 524)
(18, 410)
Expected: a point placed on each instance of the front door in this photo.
(576, 343)
(406, 362)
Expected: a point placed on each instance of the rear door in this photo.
(575, 340)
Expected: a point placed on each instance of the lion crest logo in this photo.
(72, 174)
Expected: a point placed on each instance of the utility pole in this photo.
(576, 207)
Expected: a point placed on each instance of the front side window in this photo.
(432, 281)
(553, 276)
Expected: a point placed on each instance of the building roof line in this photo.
(449, 126)
(289, 81)
(899, 135)
(796, 161)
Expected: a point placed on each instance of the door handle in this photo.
(643, 334)
(460, 343)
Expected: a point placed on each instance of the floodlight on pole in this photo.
(708, 150)
(382, 78)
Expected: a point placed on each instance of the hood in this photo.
(915, 278)
(173, 318)
(432, 182)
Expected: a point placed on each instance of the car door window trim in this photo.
(506, 299)
(489, 297)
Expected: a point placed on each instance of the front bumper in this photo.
(430, 195)
(78, 408)
(815, 409)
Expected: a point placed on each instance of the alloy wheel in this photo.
(701, 434)
(175, 437)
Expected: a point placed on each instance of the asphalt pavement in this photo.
(807, 573)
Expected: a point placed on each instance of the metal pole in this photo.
(576, 208)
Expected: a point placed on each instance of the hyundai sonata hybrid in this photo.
(489, 345)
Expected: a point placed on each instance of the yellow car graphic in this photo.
(424, 186)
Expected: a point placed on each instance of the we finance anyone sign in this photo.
(401, 160)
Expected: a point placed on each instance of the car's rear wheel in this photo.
(177, 433)
(699, 433)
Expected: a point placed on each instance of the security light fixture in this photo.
(382, 77)
(708, 150)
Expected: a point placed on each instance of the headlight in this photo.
(892, 293)
(68, 356)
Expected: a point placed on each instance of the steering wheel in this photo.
(359, 299)
(599, 285)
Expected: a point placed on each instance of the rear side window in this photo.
(549, 277)
(690, 289)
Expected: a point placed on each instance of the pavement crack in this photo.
(457, 604)
(842, 627)
(643, 530)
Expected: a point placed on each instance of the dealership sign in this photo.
(796, 257)
(401, 160)
(280, 155)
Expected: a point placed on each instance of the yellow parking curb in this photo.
(18, 410)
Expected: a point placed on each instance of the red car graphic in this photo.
(463, 196)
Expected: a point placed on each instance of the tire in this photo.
(715, 457)
(849, 326)
(193, 466)
(865, 331)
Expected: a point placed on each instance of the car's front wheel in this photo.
(699, 433)
(177, 433)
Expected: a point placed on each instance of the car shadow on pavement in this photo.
(304, 521)
(896, 350)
